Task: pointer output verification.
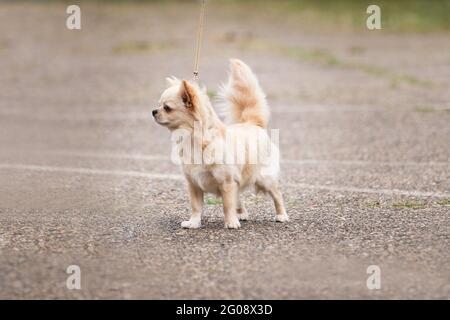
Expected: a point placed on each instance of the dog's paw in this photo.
(243, 215)
(191, 224)
(282, 218)
(232, 223)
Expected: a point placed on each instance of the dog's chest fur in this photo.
(203, 177)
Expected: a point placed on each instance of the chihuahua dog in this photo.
(185, 107)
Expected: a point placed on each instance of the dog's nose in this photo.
(154, 112)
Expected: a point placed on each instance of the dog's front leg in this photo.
(229, 196)
(196, 195)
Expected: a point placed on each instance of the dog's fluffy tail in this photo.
(242, 98)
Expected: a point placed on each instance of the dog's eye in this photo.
(167, 108)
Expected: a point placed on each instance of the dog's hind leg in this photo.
(279, 204)
(196, 195)
(271, 186)
(241, 210)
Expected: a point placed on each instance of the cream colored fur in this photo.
(183, 105)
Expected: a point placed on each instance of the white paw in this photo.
(243, 216)
(232, 223)
(282, 218)
(191, 224)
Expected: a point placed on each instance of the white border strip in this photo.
(390, 192)
(92, 171)
(365, 162)
(158, 176)
(153, 157)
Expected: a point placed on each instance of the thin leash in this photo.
(199, 40)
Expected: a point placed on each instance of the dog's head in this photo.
(179, 105)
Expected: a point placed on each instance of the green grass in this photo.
(213, 201)
(408, 204)
(372, 69)
(132, 47)
(395, 78)
(211, 93)
(445, 202)
(425, 109)
(398, 15)
(324, 57)
(373, 204)
(314, 55)
(430, 109)
(412, 80)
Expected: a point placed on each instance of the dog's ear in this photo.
(172, 81)
(188, 94)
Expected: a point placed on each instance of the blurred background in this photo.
(305, 52)
(85, 176)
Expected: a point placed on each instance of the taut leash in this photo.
(199, 39)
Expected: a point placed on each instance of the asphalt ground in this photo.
(86, 178)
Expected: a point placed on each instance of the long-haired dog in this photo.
(185, 107)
